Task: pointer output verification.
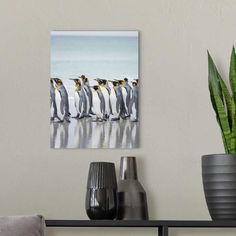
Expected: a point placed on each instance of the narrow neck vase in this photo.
(131, 196)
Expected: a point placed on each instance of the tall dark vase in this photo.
(131, 196)
(101, 199)
(219, 182)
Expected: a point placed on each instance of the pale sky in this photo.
(96, 33)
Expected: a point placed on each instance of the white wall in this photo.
(177, 123)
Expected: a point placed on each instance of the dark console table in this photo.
(162, 225)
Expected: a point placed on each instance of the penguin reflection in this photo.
(84, 133)
(59, 135)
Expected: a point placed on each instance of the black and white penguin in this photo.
(106, 84)
(53, 105)
(98, 107)
(88, 91)
(116, 101)
(106, 96)
(134, 102)
(128, 97)
(125, 106)
(64, 101)
(81, 100)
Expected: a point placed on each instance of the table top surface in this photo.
(141, 223)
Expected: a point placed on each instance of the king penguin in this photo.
(134, 102)
(98, 107)
(124, 109)
(106, 97)
(53, 104)
(116, 101)
(88, 91)
(81, 100)
(128, 90)
(64, 101)
(106, 84)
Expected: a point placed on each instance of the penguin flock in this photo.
(107, 100)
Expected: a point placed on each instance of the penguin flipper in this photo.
(80, 105)
(62, 106)
(110, 106)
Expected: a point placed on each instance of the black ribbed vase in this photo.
(131, 196)
(101, 191)
(219, 182)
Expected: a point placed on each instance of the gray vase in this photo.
(219, 182)
(131, 196)
(101, 193)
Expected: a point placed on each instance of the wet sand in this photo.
(85, 133)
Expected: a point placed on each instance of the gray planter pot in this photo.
(219, 182)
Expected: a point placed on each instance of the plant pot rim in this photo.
(219, 155)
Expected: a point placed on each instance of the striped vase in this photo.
(219, 182)
(101, 191)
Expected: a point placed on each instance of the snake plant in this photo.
(223, 101)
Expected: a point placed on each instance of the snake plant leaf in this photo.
(218, 102)
(233, 136)
(224, 102)
(223, 121)
(213, 75)
(213, 81)
(232, 73)
(223, 137)
(228, 100)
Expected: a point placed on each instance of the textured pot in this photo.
(101, 199)
(131, 196)
(219, 182)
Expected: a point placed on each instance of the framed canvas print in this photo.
(94, 89)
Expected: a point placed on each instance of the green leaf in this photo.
(213, 76)
(232, 73)
(223, 122)
(228, 101)
(233, 136)
(213, 81)
(223, 137)
(223, 102)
